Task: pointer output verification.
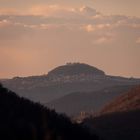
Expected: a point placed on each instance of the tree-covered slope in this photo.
(21, 119)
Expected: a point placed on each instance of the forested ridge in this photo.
(21, 119)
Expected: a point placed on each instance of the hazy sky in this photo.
(38, 35)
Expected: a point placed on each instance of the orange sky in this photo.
(38, 35)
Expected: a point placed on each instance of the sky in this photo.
(38, 35)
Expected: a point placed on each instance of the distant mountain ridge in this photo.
(64, 80)
(92, 102)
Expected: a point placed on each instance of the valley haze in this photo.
(72, 88)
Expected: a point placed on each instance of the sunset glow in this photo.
(38, 35)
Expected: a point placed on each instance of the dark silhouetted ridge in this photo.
(117, 126)
(75, 69)
(21, 119)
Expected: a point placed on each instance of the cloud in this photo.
(4, 23)
(84, 20)
(8, 11)
(103, 40)
(88, 11)
(10, 30)
(63, 11)
(89, 28)
(43, 9)
(55, 34)
(95, 27)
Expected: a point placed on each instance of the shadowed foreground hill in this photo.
(119, 120)
(21, 119)
(117, 126)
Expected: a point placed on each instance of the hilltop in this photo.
(71, 69)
